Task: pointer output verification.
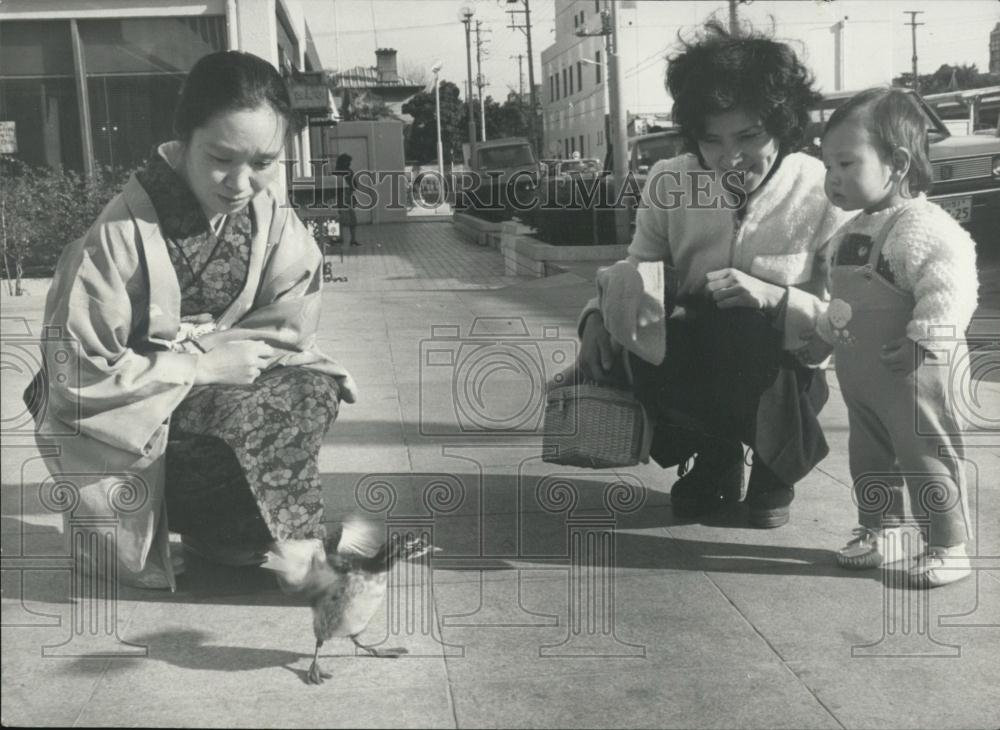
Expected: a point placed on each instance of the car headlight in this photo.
(996, 167)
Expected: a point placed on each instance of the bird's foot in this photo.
(315, 675)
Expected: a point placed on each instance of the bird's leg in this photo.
(372, 650)
(315, 675)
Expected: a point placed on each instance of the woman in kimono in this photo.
(180, 351)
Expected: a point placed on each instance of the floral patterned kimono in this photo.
(241, 460)
(232, 464)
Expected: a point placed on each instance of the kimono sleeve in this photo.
(105, 388)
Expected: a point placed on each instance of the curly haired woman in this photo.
(726, 271)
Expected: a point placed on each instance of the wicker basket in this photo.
(595, 426)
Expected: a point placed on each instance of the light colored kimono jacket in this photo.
(112, 378)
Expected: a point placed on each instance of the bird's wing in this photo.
(359, 537)
(296, 562)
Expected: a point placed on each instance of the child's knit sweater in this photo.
(930, 255)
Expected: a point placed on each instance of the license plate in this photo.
(958, 208)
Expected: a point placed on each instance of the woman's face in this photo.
(736, 140)
(232, 157)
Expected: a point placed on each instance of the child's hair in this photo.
(893, 120)
(230, 81)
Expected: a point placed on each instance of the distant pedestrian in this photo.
(347, 217)
(188, 367)
(902, 270)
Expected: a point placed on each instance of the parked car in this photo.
(548, 165)
(647, 149)
(584, 167)
(966, 168)
(505, 170)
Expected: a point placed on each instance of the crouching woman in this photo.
(734, 234)
(180, 347)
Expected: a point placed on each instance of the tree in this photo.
(364, 106)
(950, 78)
(421, 145)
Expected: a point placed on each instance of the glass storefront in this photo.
(38, 94)
(134, 69)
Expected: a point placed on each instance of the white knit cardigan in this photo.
(686, 219)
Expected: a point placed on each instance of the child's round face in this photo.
(234, 156)
(856, 175)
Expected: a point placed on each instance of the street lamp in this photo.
(436, 68)
(465, 14)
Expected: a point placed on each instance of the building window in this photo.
(581, 145)
(38, 93)
(597, 67)
(558, 94)
(566, 89)
(134, 70)
(579, 75)
(576, 21)
(597, 6)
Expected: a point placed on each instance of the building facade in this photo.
(995, 50)
(840, 54)
(94, 84)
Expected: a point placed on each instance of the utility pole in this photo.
(534, 133)
(520, 83)
(465, 15)
(734, 19)
(619, 127)
(480, 82)
(614, 116)
(913, 30)
(520, 77)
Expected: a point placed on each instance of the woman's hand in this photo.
(598, 351)
(233, 363)
(813, 351)
(735, 288)
(902, 355)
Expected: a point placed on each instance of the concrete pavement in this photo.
(562, 596)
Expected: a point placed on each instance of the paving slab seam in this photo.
(767, 642)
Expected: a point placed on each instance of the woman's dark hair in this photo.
(230, 81)
(719, 70)
(892, 119)
(343, 162)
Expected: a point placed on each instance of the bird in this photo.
(343, 579)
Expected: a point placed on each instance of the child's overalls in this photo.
(901, 426)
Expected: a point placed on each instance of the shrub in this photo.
(42, 209)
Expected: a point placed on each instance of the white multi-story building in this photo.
(847, 44)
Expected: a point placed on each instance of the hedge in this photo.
(42, 209)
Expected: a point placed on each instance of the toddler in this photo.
(903, 292)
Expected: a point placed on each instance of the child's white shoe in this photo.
(871, 548)
(940, 565)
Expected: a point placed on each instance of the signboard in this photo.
(8, 138)
(309, 92)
